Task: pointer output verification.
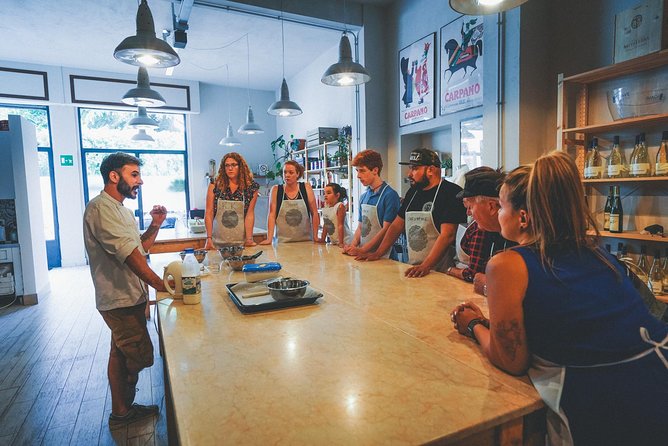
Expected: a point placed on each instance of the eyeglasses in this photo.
(231, 166)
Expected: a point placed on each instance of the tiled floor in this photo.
(53, 372)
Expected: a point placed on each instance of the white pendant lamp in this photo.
(141, 135)
(345, 72)
(142, 95)
(229, 140)
(142, 120)
(482, 7)
(284, 107)
(144, 48)
(250, 127)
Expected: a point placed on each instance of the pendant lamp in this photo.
(142, 95)
(284, 106)
(141, 135)
(482, 7)
(142, 120)
(145, 49)
(229, 140)
(345, 72)
(250, 127)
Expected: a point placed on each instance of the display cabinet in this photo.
(585, 110)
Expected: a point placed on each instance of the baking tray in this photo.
(267, 303)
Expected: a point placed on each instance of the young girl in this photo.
(335, 223)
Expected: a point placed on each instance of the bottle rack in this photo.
(582, 114)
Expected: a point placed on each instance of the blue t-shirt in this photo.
(387, 207)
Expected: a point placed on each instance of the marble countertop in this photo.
(375, 361)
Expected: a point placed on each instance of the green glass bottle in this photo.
(607, 209)
(616, 212)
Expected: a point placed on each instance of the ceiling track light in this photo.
(141, 135)
(144, 49)
(284, 107)
(142, 120)
(482, 7)
(143, 95)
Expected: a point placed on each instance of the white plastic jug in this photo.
(192, 288)
(173, 271)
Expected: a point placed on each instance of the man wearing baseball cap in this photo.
(481, 198)
(429, 215)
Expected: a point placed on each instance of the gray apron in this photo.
(421, 234)
(548, 379)
(228, 223)
(371, 224)
(292, 222)
(330, 222)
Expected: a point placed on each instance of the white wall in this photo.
(323, 106)
(208, 127)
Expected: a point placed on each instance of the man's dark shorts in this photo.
(129, 336)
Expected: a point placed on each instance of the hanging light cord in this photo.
(229, 107)
(248, 67)
(345, 23)
(282, 40)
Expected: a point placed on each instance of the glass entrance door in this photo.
(49, 210)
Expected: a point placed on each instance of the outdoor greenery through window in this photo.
(164, 170)
(37, 115)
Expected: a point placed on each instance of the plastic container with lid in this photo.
(192, 288)
(254, 272)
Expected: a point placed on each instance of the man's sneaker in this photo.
(137, 412)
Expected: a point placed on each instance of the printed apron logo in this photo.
(230, 219)
(328, 225)
(417, 238)
(293, 217)
(366, 226)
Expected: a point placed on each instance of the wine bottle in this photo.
(661, 165)
(640, 166)
(593, 165)
(616, 212)
(655, 281)
(642, 264)
(665, 272)
(617, 161)
(607, 209)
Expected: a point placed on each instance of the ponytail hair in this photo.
(340, 190)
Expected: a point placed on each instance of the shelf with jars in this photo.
(613, 121)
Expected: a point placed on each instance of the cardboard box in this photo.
(321, 135)
(641, 30)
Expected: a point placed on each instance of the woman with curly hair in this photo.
(230, 204)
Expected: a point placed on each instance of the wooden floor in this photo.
(53, 372)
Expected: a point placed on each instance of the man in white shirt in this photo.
(117, 257)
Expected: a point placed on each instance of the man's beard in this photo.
(422, 184)
(124, 189)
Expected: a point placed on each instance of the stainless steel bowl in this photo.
(238, 262)
(230, 250)
(284, 289)
(200, 255)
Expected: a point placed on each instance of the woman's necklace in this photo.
(294, 190)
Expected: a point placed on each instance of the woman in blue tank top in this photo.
(563, 310)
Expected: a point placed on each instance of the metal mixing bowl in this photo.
(284, 289)
(230, 250)
(238, 262)
(200, 255)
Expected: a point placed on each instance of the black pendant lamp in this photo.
(345, 72)
(143, 95)
(284, 107)
(482, 7)
(145, 49)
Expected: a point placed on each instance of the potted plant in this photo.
(345, 137)
(282, 151)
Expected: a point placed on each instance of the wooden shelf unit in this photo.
(581, 99)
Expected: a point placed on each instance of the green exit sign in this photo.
(67, 160)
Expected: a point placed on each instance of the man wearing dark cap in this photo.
(481, 198)
(429, 215)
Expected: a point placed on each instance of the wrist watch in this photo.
(473, 323)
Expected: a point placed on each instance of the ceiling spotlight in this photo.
(144, 48)
(141, 135)
(481, 7)
(143, 95)
(229, 140)
(142, 120)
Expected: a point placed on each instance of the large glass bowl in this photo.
(626, 102)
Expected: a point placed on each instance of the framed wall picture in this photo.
(416, 81)
(461, 64)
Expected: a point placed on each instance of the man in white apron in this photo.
(429, 216)
(481, 198)
(378, 205)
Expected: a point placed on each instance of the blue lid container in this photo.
(261, 267)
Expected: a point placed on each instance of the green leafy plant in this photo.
(345, 137)
(281, 150)
(177, 185)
